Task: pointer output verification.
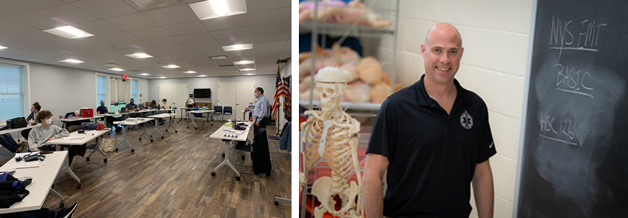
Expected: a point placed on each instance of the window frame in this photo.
(105, 86)
(26, 81)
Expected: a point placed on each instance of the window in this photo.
(11, 92)
(101, 89)
(135, 89)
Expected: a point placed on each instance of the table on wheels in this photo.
(230, 137)
(130, 122)
(208, 112)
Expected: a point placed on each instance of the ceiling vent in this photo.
(228, 67)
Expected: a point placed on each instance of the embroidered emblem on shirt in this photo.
(466, 121)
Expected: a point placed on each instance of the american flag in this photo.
(282, 88)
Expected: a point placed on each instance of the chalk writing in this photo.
(572, 80)
(564, 130)
(562, 38)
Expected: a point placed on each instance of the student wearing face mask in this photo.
(132, 106)
(35, 108)
(46, 132)
(164, 104)
(102, 109)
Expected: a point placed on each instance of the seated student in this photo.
(44, 213)
(35, 108)
(102, 109)
(153, 105)
(131, 106)
(8, 142)
(164, 104)
(40, 135)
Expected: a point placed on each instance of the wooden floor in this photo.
(170, 177)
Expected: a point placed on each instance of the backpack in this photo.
(108, 145)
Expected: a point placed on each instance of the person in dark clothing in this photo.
(35, 108)
(8, 142)
(261, 154)
(102, 109)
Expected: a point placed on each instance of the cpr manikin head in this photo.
(330, 83)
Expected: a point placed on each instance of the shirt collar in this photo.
(424, 99)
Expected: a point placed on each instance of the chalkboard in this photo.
(573, 159)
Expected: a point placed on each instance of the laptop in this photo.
(123, 110)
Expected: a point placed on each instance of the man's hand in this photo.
(483, 189)
(373, 178)
(257, 123)
(53, 138)
(247, 109)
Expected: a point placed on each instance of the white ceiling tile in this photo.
(235, 40)
(225, 34)
(132, 21)
(10, 28)
(210, 50)
(98, 27)
(105, 9)
(35, 4)
(257, 5)
(139, 44)
(195, 37)
(67, 14)
(172, 15)
(203, 44)
(94, 40)
(246, 54)
(270, 28)
(165, 41)
(120, 37)
(185, 28)
(36, 21)
(271, 53)
(259, 45)
(270, 16)
(271, 48)
(271, 37)
(7, 10)
(150, 33)
(228, 22)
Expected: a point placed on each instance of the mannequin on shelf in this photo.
(331, 11)
(333, 135)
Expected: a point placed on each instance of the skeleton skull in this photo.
(330, 83)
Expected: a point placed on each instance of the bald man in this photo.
(431, 140)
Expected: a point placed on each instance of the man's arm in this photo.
(374, 170)
(32, 145)
(483, 189)
(61, 132)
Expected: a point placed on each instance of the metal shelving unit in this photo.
(368, 110)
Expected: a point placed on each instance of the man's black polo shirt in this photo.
(432, 154)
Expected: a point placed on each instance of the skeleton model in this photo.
(333, 135)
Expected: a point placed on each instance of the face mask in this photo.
(255, 94)
(102, 104)
(132, 102)
(32, 110)
(49, 121)
(163, 102)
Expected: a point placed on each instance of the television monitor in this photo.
(202, 93)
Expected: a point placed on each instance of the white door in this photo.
(226, 96)
(179, 96)
(244, 95)
(165, 92)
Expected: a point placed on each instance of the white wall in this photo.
(61, 89)
(267, 82)
(495, 36)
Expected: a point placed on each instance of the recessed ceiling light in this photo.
(139, 55)
(190, 71)
(243, 62)
(72, 61)
(218, 57)
(217, 8)
(171, 66)
(2, 47)
(69, 32)
(247, 69)
(117, 69)
(202, 75)
(144, 74)
(237, 47)
(163, 77)
(220, 7)
(249, 74)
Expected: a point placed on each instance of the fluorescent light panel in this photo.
(139, 55)
(144, 74)
(69, 32)
(243, 62)
(190, 71)
(202, 75)
(163, 77)
(72, 61)
(247, 69)
(2, 47)
(216, 8)
(117, 69)
(171, 66)
(237, 47)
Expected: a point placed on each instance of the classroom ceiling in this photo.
(168, 30)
